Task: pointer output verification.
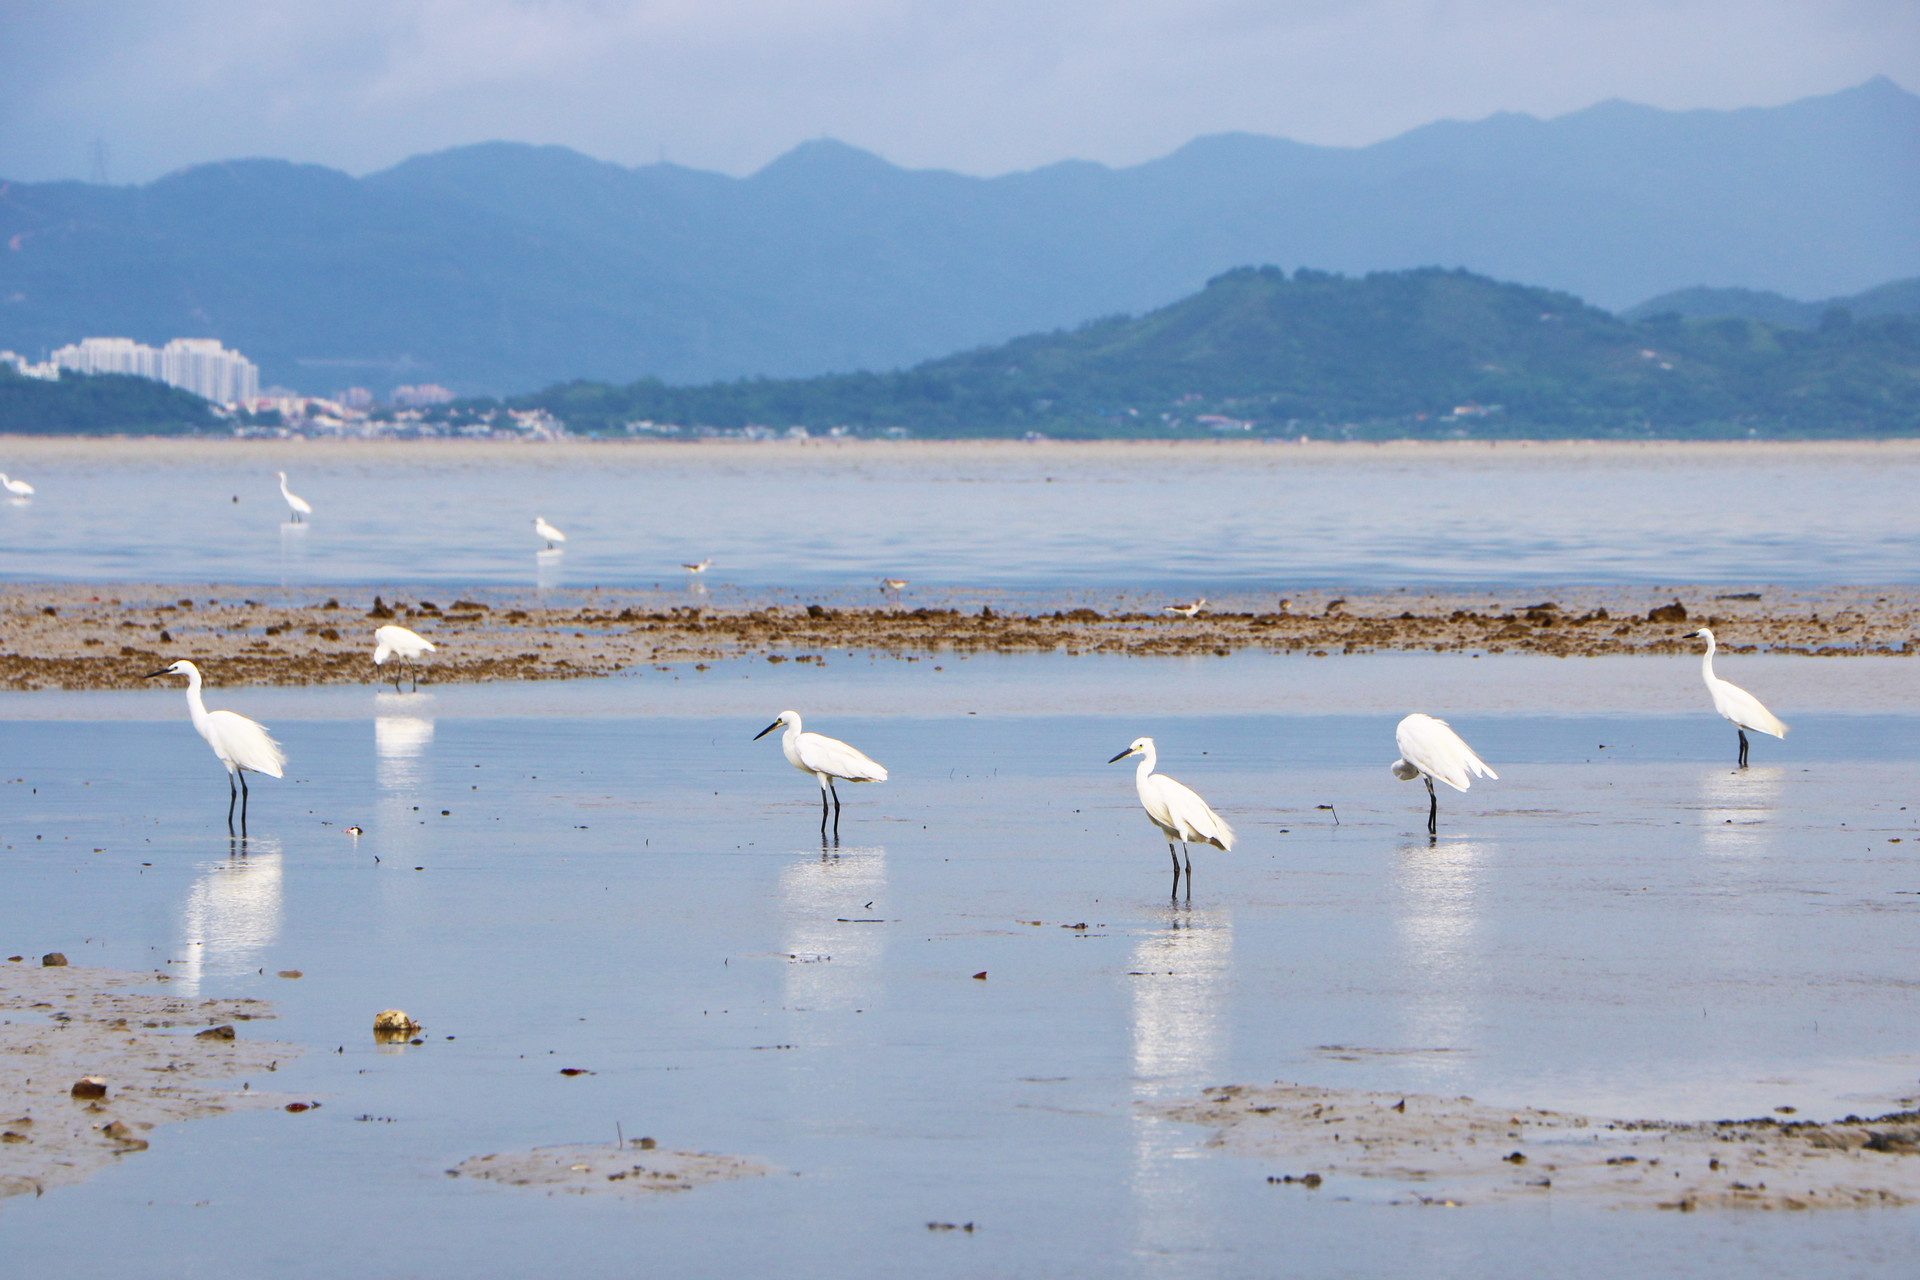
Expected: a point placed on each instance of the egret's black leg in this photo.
(1743, 746)
(243, 803)
(231, 797)
(823, 815)
(836, 810)
(1189, 856)
(1433, 810)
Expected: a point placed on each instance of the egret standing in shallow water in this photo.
(242, 745)
(391, 641)
(1735, 703)
(1430, 749)
(1175, 809)
(300, 506)
(547, 531)
(18, 488)
(826, 759)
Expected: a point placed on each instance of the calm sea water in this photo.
(1151, 518)
(1629, 929)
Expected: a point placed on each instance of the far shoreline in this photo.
(32, 449)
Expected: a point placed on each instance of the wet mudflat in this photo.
(635, 892)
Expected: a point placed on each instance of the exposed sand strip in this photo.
(638, 1168)
(1454, 1151)
(161, 1058)
(107, 637)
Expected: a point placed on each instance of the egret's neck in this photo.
(1706, 662)
(196, 707)
(1144, 770)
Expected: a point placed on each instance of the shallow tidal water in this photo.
(1194, 518)
(623, 882)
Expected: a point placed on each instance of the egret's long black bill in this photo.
(764, 732)
(153, 674)
(1122, 756)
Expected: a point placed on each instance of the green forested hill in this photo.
(82, 404)
(1423, 352)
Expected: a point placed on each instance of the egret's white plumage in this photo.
(391, 641)
(1735, 703)
(1430, 748)
(18, 488)
(1176, 809)
(300, 506)
(547, 531)
(242, 745)
(826, 759)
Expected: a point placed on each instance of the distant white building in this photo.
(48, 372)
(425, 394)
(199, 365)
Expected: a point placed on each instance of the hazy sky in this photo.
(982, 86)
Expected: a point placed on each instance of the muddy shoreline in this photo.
(75, 637)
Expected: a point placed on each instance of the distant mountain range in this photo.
(1423, 354)
(1897, 298)
(500, 267)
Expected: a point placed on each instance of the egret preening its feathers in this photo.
(391, 641)
(299, 505)
(826, 759)
(1429, 749)
(242, 745)
(1735, 703)
(1179, 813)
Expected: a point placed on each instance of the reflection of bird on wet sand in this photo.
(232, 914)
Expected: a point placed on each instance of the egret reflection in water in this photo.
(1436, 923)
(402, 732)
(231, 915)
(834, 955)
(1180, 977)
(1737, 807)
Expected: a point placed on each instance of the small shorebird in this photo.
(18, 488)
(242, 745)
(1735, 703)
(299, 505)
(698, 568)
(547, 531)
(826, 759)
(391, 641)
(1175, 809)
(1187, 610)
(891, 586)
(1429, 749)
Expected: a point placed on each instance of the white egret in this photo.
(242, 745)
(1735, 703)
(1175, 809)
(391, 641)
(1430, 749)
(1187, 610)
(301, 507)
(547, 531)
(826, 759)
(699, 567)
(18, 488)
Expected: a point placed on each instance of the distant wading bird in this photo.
(699, 567)
(1178, 812)
(300, 506)
(1429, 749)
(18, 488)
(241, 744)
(390, 642)
(826, 759)
(1735, 703)
(547, 531)
(1187, 610)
